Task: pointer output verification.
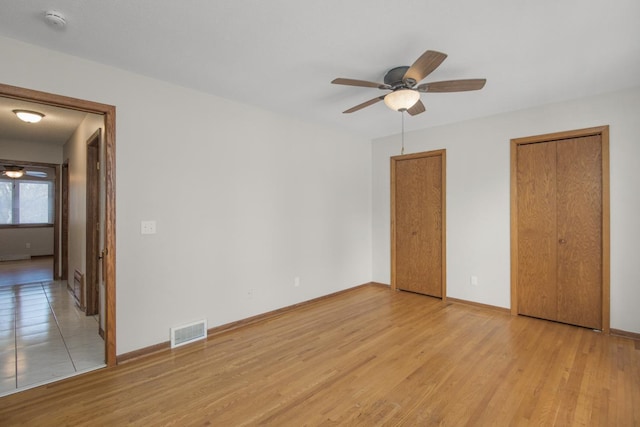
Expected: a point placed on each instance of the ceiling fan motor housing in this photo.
(394, 78)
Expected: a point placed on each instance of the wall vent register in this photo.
(188, 333)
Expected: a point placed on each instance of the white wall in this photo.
(75, 152)
(243, 198)
(478, 205)
(33, 241)
(30, 151)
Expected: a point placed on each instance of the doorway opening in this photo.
(108, 225)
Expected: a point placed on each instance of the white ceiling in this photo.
(56, 127)
(282, 54)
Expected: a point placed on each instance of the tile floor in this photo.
(44, 336)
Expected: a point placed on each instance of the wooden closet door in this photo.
(559, 228)
(579, 195)
(418, 224)
(537, 230)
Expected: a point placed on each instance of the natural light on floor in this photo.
(44, 336)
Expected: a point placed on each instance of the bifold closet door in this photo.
(559, 196)
(579, 193)
(537, 231)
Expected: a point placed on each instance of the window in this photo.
(26, 201)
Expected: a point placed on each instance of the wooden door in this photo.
(579, 179)
(560, 227)
(537, 231)
(418, 203)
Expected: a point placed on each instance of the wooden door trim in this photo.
(64, 221)
(92, 302)
(109, 113)
(56, 224)
(603, 131)
(435, 153)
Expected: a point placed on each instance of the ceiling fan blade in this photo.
(363, 105)
(429, 61)
(453, 85)
(37, 174)
(361, 83)
(417, 108)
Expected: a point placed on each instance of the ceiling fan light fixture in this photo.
(28, 116)
(13, 174)
(13, 171)
(402, 99)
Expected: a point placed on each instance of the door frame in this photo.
(603, 132)
(434, 153)
(92, 248)
(109, 113)
(64, 221)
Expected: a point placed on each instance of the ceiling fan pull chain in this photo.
(402, 114)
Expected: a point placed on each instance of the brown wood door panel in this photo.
(560, 227)
(537, 234)
(579, 195)
(418, 219)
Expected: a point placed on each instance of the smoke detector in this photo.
(55, 19)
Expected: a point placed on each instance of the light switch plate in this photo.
(148, 227)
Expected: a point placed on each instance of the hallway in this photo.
(44, 336)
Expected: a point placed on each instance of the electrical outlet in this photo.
(251, 292)
(28, 245)
(148, 227)
(296, 281)
(474, 280)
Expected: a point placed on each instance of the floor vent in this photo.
(188, 333)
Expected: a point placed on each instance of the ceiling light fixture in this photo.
(13, 171)
(29, 116)
(402, 99)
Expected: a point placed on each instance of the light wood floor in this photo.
(367, 357)
(36, 269)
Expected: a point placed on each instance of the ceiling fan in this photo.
(401, 81)
(14, 171)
